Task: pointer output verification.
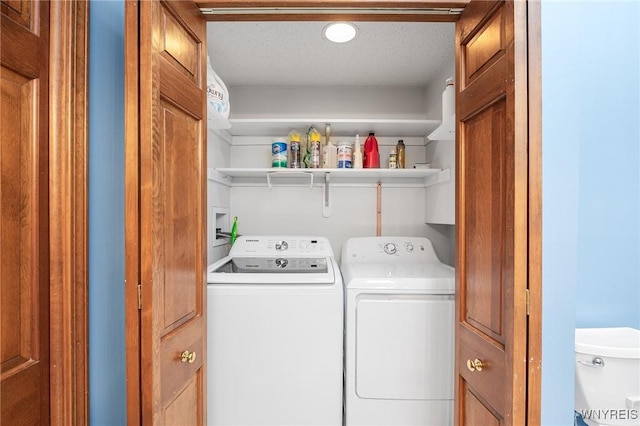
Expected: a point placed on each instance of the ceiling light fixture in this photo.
(340, 32)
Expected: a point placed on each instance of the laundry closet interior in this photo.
(283, 76)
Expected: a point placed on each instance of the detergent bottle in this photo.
(371, 153)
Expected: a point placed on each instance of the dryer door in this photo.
(404, 347)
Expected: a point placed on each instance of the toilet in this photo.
(608, 376)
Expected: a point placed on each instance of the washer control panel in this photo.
(281, 246)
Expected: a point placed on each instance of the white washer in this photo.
(399, 333)
(275, 334)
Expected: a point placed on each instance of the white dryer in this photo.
(399, 352)
(275, 334)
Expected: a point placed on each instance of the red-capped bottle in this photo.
(371, 158)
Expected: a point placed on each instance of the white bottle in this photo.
(329, 156)
(357, 154)
(393, 159)
(448, 100)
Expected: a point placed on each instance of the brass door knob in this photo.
(187, 356)
(475, 365)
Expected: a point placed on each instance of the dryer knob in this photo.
(390, 248)
(282, 246)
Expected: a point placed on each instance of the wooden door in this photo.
(165, 218)
(491, 270)
(24, 251)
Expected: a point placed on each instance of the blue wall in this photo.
(591, 182)
(107, 391)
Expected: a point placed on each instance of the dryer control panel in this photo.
(388, 249)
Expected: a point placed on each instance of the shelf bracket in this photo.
(289, 173)
(326, 201)
(440, 177)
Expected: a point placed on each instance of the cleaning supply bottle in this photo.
(371, 153)
(295, 152)
(448, 100)
(393, 162)
(329, 156)
(313, 147)
(234, 231)
(400, 152)
(357, 154)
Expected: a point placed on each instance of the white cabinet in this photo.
(440, 203)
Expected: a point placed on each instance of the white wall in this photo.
(298, 211)
(343, 102)
(295, 210)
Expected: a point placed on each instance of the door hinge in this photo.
(528, 301)
(139, 297)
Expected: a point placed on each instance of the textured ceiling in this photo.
(296, 54)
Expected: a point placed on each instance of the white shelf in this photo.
(279, 127)
(446, 131)
(307, 177)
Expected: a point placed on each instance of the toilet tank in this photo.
(608, 375)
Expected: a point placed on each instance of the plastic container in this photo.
(345, 155)
(279, 153)
(357, 154)
(371, 154)
(217, 93)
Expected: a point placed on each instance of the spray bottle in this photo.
(357, 154)
(234, 231)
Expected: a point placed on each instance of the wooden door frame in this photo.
(534, 221)
(68, 173)
(534, 71)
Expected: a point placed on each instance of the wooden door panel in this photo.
(19, 11)
(176, 373)
(19, 223)
(491, 199)
(167, 172)
(487, 219)
(490, 382)
(482, 49)
(477, 411)
(20, 362)
(474, 17)
(180, 46)
(180, 411)
(24, 229)
(180, 160)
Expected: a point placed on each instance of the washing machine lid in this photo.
(433, 277)
(272, 270)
